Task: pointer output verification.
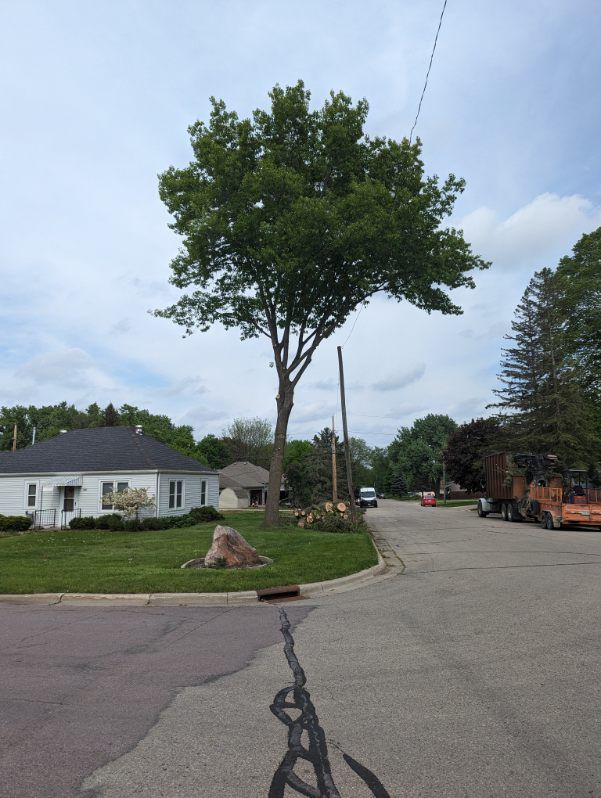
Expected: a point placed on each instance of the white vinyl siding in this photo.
(13, 495)
(193, 493)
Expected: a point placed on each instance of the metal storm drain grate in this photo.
(281, 593)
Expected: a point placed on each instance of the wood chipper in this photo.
(527, 487)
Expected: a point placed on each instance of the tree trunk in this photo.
(285, 401)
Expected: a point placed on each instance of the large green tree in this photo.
(577, 283)
(249, 439)
(416, 453)
(214, 452)
(292, 218)
(540, 402)
(45, 422)
(308, 469)
(465, 451)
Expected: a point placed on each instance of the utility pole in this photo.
(334, 475)
(444, 481)
(347, 448)
(15, 439)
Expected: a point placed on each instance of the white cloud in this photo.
(532, 235)
(72, 368)
(395, 383)
(85, 240)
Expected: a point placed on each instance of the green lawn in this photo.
(82, 561)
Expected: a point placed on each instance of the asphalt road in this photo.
(475, 673)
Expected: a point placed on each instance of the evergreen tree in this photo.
(111, 416)
(578, 286)
(540, 401)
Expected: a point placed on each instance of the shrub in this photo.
(112, 521)
(178, 521)
(152, 523)
(14, 523)
(130, 500)
(131, 525)
(84, 522)
(203, 514)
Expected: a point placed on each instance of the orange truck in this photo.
(525, 487)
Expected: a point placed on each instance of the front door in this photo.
(69, 499)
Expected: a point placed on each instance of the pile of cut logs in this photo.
(312, 515)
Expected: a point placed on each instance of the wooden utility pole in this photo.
(15, 439)
(334, 475)
(444, 481)
(347, 448)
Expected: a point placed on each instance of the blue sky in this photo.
(96, 102)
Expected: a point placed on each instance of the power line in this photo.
(353, 327)
(419, 108)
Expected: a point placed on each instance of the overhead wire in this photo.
(419, 108)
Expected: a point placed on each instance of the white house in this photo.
(67, 476)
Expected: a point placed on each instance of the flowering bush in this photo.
(129, 501)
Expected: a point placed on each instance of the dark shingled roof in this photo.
(98, 449)
(243, 474)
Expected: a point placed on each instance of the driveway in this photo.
(475, 673)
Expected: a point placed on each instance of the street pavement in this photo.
(475, 672)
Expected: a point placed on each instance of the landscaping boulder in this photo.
(230, 549)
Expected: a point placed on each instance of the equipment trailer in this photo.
(523, 487)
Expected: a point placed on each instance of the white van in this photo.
(368, 497)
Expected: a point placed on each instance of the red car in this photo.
(428, 501)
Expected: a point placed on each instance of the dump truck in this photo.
(528, 487)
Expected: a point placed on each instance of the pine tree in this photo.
(111, 417)
(540, 402)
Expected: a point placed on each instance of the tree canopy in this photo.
(292, 218)
(249, 439)
(540, 402)
(578, 291)
(416, 452)
(465, 451)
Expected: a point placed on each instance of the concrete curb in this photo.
(239, 598)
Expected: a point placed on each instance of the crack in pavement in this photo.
(307, 722)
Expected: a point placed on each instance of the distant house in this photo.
(69, 475)
(242, 485)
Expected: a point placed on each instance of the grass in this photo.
(89, 561)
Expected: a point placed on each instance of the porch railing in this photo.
(42, 519)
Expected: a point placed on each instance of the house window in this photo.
(176, 493)
(32, 490)
(110, 487)
(203, 492)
